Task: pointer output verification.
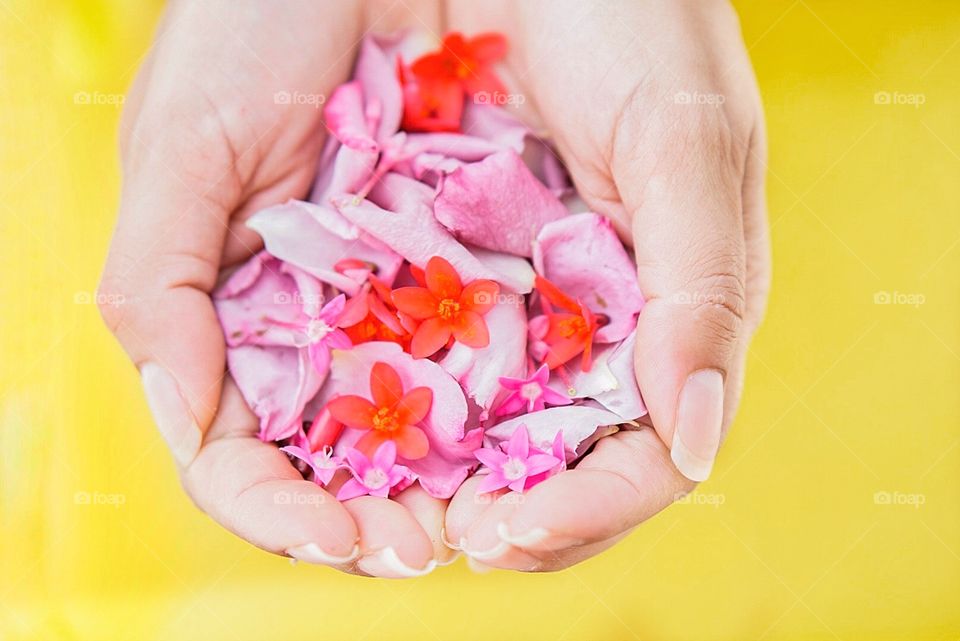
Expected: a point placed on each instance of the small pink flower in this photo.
(319, 333)
(513, 467)
(532, 392)
(376, 476)
(323, 463)
(559, 453)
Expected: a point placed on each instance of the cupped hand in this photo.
(654, 110)
(224, 119)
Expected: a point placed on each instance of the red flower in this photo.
(392, 416)
(370, 316)
(570, 332)
(434, 90)
(446, 309)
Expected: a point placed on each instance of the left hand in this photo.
(654, 109)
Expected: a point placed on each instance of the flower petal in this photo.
(351, 490)
(412, 443)
(470, 329)
(480, 296)
(496, 203)
(346, 117)
(385, 456)
(581, 426)
(442, 279)
(385, 385)
(430, 337)
(353, 411)
(416, 302)
(415, 405)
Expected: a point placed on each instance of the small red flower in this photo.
(392, 416)
(446, 309)
(570, 332)
(434, 89)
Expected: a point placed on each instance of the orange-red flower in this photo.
(570, 332)
(370, 316)
(446, 309)
(434, 90)
(392, 416)
(464, 61)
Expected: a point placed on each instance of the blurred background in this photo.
(834, 511)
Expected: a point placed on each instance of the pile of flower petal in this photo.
(442, 305)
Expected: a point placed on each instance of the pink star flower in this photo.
(318, 333)
(323, 463)
(513, 467)
(376, 476)
(532, 392)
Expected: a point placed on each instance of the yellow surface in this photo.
(790, 540)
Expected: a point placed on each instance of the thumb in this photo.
(163, 263)
(688, 240)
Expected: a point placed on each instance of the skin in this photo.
(206, 145)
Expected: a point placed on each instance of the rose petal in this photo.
(496, 203)
(581, 426)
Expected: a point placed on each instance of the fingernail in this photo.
(171, 413)
(449, 544)
(699, 417)
(313, 553)
(537, 539)
(496, 551)
(386, 564)
(449, 561)
(477, 567)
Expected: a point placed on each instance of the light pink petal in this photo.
(583, 256)
(479, 369)
(351, 490)
(316, 238)
(277, 383)
(346, 118)
(376, 72)
(385, 456)
(581, 426)
(347, 170)
(492, 458)
(464, 148)
(492, 482)
(519, 444)
(513, 403)
(539, 463)
(417, 236)
(612, 381)
(496, 203)
(496, 125)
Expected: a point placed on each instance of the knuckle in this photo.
(717, 301)
(114, 300)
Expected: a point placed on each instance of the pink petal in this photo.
(316, 238)
(346, 118)
(492, 482)
(493, 458)
(581, 426)
(385, 456)
(416, 235)
(497, 204)
(277, 383)
(351, 490)
(612, 381)
(583, 256)
(376, 71)
(519, 444)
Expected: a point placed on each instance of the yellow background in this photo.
(845, 398)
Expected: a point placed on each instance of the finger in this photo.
(250, 488)
(393, 545)
(429, 513)
(625, 480)
(689, 245)
(483, 544)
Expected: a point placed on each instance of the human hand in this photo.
(205, 143)
(655, 112)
